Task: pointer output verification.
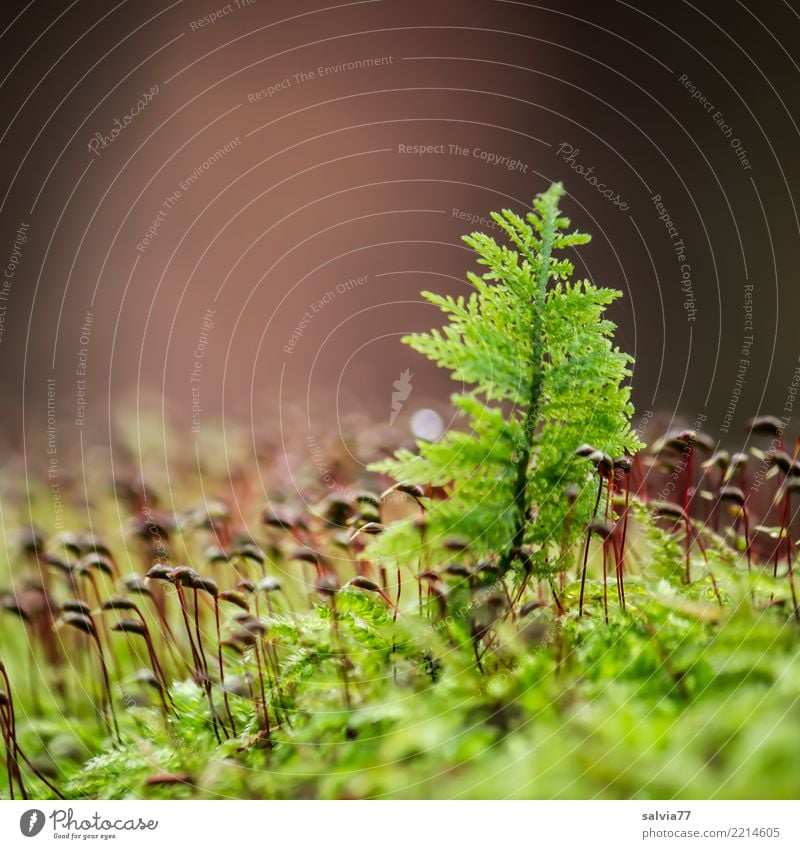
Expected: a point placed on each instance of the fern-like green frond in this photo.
(535, 352)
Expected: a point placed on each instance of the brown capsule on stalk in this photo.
(306, 555)
(235, 597)
(457, 570)
(98, 562)
(148, 528)
(337, 510)
(75, 605)
(206, 585)
(59, 563)
(704, 441)
(486, 567)
(211, 515)
(69, 542)
(601, 528)
(667, 510)
(732, 494)
(245, 637)
(146, 676)
(457, 545)
(250, 551)
(371, 528)
(31, 542)
(118, 602)
(278, 518)
(341, 540)
(215, 554)
(439, 592)
(605, 465)
(135, 584)
(365, 515)
(159, 572)
(677, 442)
(412, 489)
(623, 464)
(738, 460)
(720, 460)
(91, 544)
(784, 462)
(326, 585)
(130, 626)
(79, 621)
(572, 492)
(765, 426)
(524, 558)
(585, 450)
(595, 458)
(246, 585)
(269, 584)
(363, 584)
(184, 575)
(429, 576)
(255, 626)
(241, 618)
(11, 604)
(367, 497)
(530, 606)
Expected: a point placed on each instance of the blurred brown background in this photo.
(263, 145)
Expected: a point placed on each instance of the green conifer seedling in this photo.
(541, 377)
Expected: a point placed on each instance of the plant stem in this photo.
(222, 669)
(586, 546)
(621, 560)
(535, 394)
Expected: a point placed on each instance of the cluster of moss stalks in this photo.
(233, 650)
